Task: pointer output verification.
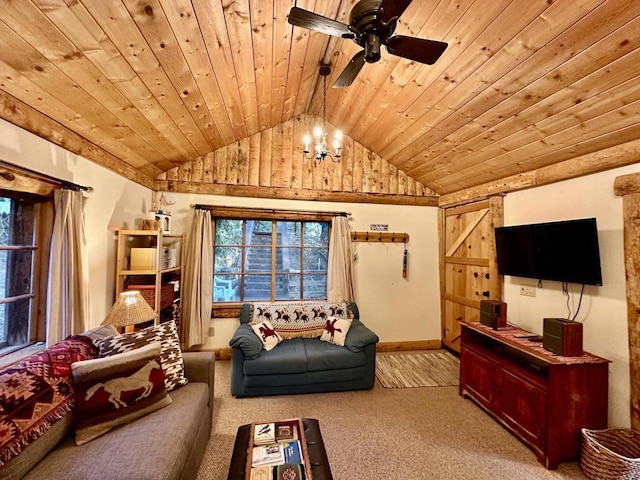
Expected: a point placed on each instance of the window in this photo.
(20, 267)
(270, 259)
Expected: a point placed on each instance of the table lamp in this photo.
(129, 309)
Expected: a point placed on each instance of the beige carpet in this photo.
(385, 434)
(428, 369)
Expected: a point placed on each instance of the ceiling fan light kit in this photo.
(371, 24)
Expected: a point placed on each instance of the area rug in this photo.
(429, 369)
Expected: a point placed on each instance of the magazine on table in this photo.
(286, 432)
(264, 455)
(286, 471)
(261, 473)
(289, 471)
(293, 452)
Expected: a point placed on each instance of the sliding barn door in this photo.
(468, 270)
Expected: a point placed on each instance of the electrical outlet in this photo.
(212, 331)
(528, 291)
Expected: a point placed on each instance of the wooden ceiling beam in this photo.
(18, 113)
(606, 159)
(293, 194)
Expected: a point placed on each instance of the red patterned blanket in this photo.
(37, 392)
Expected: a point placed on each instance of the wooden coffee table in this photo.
(317, 455)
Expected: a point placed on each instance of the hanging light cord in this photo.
(324, 102)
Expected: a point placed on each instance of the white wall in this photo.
(115, 201)
(604, 309)
(397, 309)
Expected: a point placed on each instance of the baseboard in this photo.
(406, 346)
(225, 353)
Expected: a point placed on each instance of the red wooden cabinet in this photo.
(542, 398)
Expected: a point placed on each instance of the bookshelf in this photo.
(151, 261)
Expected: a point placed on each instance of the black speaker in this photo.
(562, 336)
(493, 313)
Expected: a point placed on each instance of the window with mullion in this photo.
(18, 249)
(252, 265)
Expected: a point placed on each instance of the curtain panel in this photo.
(68, 289)
(340, 279)
(198, 280)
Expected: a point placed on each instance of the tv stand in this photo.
(542, 398)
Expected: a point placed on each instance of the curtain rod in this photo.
(200, 206)
(43, 176)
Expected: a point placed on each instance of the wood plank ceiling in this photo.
(143, 86)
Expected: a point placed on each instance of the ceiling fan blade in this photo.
(392, 8)
(351, 71)
(418, 49)
(312, 21)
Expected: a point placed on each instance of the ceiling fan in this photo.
(371, 24)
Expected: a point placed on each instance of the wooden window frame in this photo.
(15, 183)
(232, 310)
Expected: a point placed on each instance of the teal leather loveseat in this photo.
(301, 365)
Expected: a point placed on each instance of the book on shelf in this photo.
(264, 455)
(293, 452)
(264, 433)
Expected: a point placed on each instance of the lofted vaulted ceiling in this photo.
(144, 87)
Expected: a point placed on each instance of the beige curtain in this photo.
(198, 280)
(68, 289)
(340, 281)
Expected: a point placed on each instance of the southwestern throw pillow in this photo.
(267, 335)
(171, 355)
(335, 330)
(115, 390)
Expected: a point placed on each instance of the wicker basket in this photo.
(612, 454)
(148, 292)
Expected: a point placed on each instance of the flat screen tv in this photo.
(565, 251)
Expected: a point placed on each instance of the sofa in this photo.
(305, 359)
(167, 443)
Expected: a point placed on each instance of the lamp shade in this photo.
(130, 308)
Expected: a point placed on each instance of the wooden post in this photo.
(496, 210)
(631, 209)
(628, 187)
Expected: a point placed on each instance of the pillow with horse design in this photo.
(118, 389)
(335, 330)
(267, 335)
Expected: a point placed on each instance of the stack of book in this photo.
(277, 452)
(264, 434)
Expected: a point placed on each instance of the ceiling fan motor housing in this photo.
(369, 31)
(371, 24)
(372, 48)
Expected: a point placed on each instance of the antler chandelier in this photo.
(320, 134)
